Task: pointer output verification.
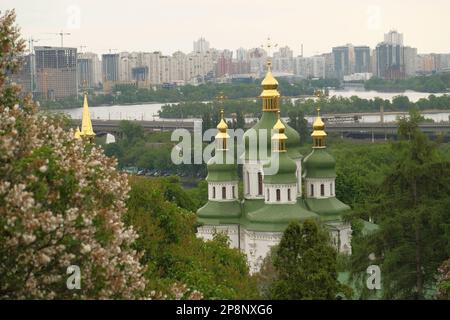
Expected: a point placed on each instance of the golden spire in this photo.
(279, 137)
(270, 94)
(86, 124)
(318, 133)
(222, 134)
(77, 134)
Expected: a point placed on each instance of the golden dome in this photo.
(319, 133)
(318, 123)
(269, 81)
(222, 126)
(279, 137)
(279, 125)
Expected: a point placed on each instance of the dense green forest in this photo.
(252, 107)
(430, 83)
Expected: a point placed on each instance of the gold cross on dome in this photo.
(319, 94)
(221, 97)
(268, 46)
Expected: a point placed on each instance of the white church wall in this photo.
(299, 177)
(271, 193)
(250, 175)
(207, 232)
(257, 246)
(329, 188)
(341, 236)
(215, 191)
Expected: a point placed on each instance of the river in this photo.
(149, 111)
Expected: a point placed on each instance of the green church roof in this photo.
(217, 212)
(319, 164)
(286, 170)
(267, 121)
(259, 216)
(328, 208)
(221, 172)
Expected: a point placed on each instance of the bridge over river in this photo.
(345, 129)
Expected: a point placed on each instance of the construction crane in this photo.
(61, 34)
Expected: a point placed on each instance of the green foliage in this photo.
(334, 104)
(411, 208)
(433, 83)
(129, 94)
(298, 122)
(305, 263)
(159, 209)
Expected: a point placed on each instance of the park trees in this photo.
(305, 264)
(411, 208)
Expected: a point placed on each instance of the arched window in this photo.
(214, 193)
(289, 194)
(278, 195)
(322, 190)
(248, 183)
(224, 193)
(312, 190)
(234, 192)
(260, 184)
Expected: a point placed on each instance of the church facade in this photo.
(280, 185)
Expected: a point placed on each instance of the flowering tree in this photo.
(61, 203)
(443, 283)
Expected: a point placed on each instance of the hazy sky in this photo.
(170, 25)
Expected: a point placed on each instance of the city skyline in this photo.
(174, 25)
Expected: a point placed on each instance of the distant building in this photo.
(393, 37)
(56, 72)
(362, 59)
(329, 65)
(224, 63)
(257, 58)
(410, 60)
(283, 60)
(110, 67)
(201, 45)
(358, 77)
(390, 61)
(89, 70)
(393, 60)
(25, 77)
(310, 67)
(344, 60)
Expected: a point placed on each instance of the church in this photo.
(300, 188)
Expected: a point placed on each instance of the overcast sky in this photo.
(170, 25)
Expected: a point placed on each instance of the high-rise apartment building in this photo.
(393, 37)
(283, 60)
(310, 67)
(410, 60)
(56, 72)
(110, 67)
(89, 70)
(393, 60)
(224, 63)
(201, 45)
(362, 59)
(344, 60)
